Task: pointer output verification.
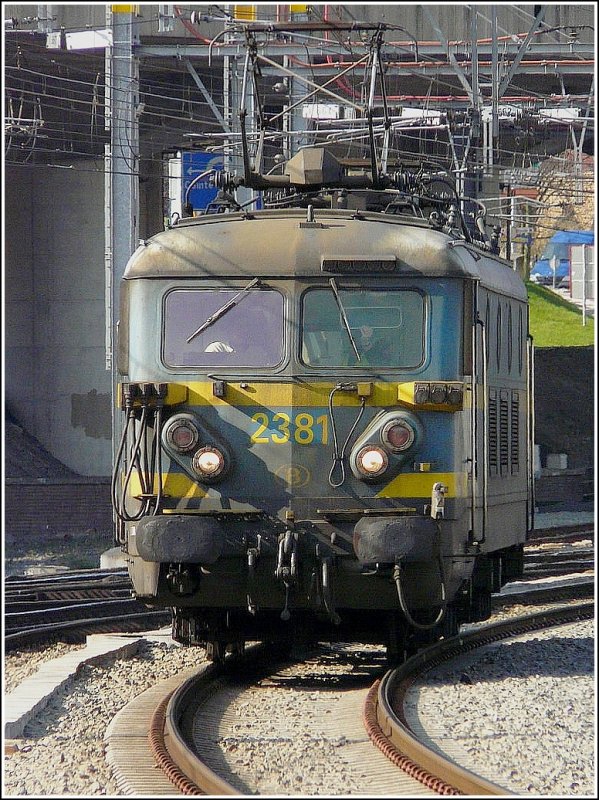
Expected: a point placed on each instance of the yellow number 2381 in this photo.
(280, 428)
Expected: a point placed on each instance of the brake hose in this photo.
(158, 443)
(338, 456)
(135, 459)
(402, 602)
(145, 466)
(115, 473)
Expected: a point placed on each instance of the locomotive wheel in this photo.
(236, 648)
(215, 650)
(399, 648)
(450, 625)
(282, 648)
(480, 607)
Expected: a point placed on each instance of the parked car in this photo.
(558, 246)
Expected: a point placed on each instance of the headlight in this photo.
(182, 435)
(209, 463)
(398, 435)
(371, 461)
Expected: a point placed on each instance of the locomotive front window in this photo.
(373, 328)
(223, 328)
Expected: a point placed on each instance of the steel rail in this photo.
(38, 618)
(65, 576)
(391, 733)
(188, 763)
(49, 590)
(561, 533)
(25, 605)
(81, 627)
(581, 587)
(168, 721)
(182, 765)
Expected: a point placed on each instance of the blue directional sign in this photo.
(194, 163)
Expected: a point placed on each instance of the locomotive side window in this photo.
(222, 328)
(377, 328)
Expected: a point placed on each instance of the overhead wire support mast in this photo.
(122, 176)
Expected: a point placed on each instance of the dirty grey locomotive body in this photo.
(327, 427)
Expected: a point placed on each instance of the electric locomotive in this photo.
(326, 419)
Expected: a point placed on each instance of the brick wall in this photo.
(57, 507)
(572, 486)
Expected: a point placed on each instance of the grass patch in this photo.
(554, 322)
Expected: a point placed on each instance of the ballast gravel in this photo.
(523, 710)
(62, 752)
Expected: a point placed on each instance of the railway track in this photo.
(562, 533)
(193, 716)
(559, 551)
(384, 713)
(577, 587)
(72, 605)
(175, 714)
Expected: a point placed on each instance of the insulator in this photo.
(223, 180)
(404, 181)
(196, 17)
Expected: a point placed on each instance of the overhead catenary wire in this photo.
(207, 122)
(175, 129)
(554, 183)
(432, 99)
(446, 83)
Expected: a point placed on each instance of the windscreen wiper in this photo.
(344, 316)
(222, 310)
